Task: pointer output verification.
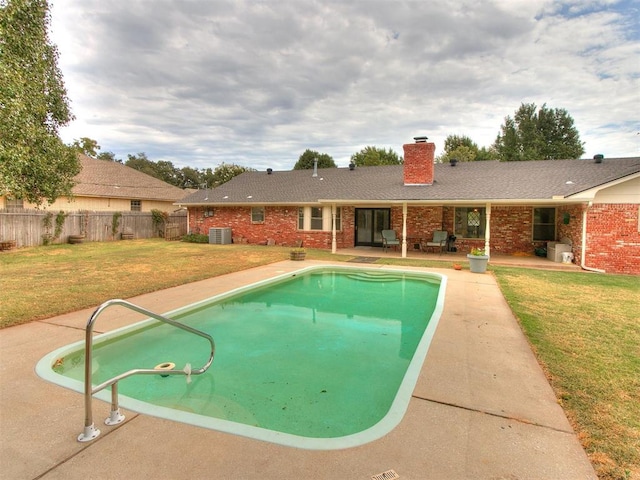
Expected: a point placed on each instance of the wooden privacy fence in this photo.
(28, 228)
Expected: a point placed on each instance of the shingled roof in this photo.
(490, 181)
(102, 178)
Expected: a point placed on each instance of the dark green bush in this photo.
(195, 238)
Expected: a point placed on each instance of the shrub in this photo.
(195, 238)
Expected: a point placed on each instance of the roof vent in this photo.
(453, 162)
(421, 139)
(315, 167)
(598, 158)
(352, 166)
(269, 171)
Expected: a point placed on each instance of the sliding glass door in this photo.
(369, 223)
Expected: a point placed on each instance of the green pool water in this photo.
(325, 358)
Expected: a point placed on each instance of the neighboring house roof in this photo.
(102, 178)
(543, 180)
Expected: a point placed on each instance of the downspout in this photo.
(404, 230)
(584, 243)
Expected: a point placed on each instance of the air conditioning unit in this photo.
(220, 236)
(556, 249)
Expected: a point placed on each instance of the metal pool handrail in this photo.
(90, 432)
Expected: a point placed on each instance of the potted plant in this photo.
(298, 254)
(478, 260)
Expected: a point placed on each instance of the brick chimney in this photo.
(418, 162)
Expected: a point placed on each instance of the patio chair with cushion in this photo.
(439, 241)
(389, 239)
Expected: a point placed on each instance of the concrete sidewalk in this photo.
(481, 409)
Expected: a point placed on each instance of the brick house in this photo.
(504, 207)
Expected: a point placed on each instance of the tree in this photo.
(307, 159)
(167, 172)
(226, 171)
(538, 135)
(108, 156)
(86, 145)
(35, 165)
(373, 156)
(463, 149)
(141, 163)
(190, 178)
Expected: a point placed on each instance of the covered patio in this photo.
(449, 258)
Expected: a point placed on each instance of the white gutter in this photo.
(584, 243)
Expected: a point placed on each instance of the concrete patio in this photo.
(481, 409)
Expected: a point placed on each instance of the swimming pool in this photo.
(324, 358)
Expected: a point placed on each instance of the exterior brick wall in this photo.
(613, 240)
(280, 225)
(612, 230)
(571, 230)
(511, 231)
(421, 221)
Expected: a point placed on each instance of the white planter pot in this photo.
(478, 263)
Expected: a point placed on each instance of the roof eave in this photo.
(590, 193)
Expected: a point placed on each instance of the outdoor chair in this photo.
(389, 239)
(439, 241)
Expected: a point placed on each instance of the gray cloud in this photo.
(256, 83)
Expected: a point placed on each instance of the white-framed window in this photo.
(257, 214)
(470, 222)
(136, 205)
(318, 218)
(544, 224)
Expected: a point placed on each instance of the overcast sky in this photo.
(255, 83)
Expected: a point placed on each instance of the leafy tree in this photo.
(542, 134)
(163, 169)
(190, 178)
(373, 156)
(308, 158)
(167, 172)
(186, 177)
(226, 171)
(486, 154)
(141, 163)
(463, 149)
(207, 178)
(35, 165)
(86, 145)
(108, 156)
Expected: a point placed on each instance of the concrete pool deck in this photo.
(482, 407)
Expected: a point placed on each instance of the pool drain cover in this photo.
(388, 475)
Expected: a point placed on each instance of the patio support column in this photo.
(334, 244)
(487, 231)
(404, 230)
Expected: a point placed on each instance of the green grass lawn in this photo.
(583, 327)
(585, 330)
